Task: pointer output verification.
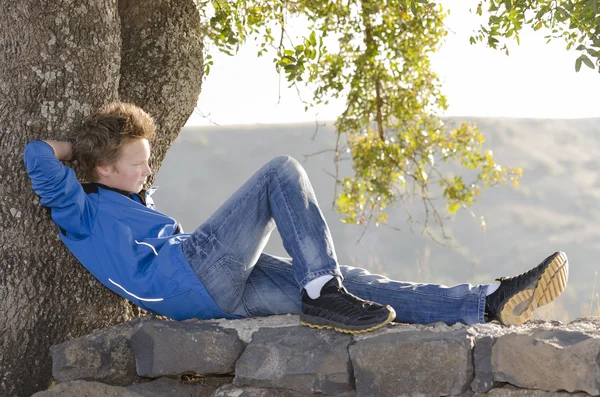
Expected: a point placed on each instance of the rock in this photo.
(350, 393)
(401, 362)
(594, 320)
(246, 327)
(165, 387)
(535, 322)
(551, 360)
(105, 356)
(177, 348)
(162, 387)
(234, 391)
(80, 388)
(515, 392)
(296, 358)
(482, 361)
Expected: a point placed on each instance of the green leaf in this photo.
(587, 61)
(453, 208)
(561, 14)
(594, 53)
(578, 64)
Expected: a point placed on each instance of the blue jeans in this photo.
(226, 255)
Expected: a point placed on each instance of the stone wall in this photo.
(276, 356)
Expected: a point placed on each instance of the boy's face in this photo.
(131, 170)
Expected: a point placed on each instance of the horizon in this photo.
(321, 122)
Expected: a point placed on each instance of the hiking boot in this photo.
(517, 297)
(338, 309)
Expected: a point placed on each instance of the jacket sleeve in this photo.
(59, 190)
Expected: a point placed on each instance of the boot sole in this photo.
(321, 323)
(520, 307)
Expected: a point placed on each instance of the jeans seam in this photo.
(209, 269)
(215, 267)
(314, 275)
(416, 292)
(252, 310)
(288, 269)
(276, 178)
(228, 271)
(481, 305)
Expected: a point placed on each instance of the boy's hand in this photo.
(63, 150)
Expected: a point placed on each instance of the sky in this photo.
(537, 80)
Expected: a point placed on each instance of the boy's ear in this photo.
(104, 169)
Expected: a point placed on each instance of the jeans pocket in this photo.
(225, 281)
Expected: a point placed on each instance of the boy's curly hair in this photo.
(102, 135)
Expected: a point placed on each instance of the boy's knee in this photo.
(284, 162)
(280, 160)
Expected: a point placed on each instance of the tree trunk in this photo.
(161, 64)
(59, 61)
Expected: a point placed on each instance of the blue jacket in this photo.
(127, 244)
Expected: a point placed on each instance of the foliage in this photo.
(375, 54)
(575, 22)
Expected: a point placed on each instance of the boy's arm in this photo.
(58, 186)
(63, 150)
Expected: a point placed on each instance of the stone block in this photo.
(296, 358)
(163, 348)
(234, 391)
(166, 387)
(551, 360)
(162, 387)
(516, 392)
(407, 363)
(105, 356)
(81, 388)
(482, 361)
(245, 391)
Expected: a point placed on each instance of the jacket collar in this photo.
(92, 187)
(123, 192)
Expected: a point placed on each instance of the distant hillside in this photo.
(556, 207)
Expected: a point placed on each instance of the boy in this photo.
(219, 270)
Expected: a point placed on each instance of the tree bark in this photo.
(161, 64)
(60, 61)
